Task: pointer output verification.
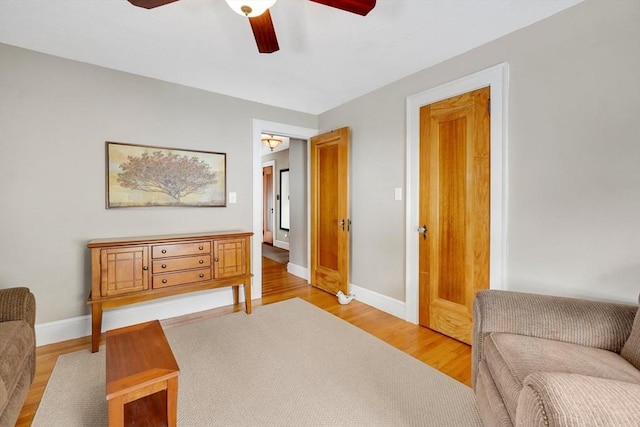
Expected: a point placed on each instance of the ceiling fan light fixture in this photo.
(250, 8)
(271, 141)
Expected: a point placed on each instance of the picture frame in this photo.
(151, 176)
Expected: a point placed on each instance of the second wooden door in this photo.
(454, 210)
(268, 208)
(330, 223)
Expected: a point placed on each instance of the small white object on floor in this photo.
(345, 299)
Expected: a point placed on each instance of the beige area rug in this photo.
(287, 364)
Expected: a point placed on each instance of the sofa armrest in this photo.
(17, 304)
(596, 324)
(560, 399)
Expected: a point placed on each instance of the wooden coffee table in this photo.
(142, 376)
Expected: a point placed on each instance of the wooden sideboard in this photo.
(132, 270)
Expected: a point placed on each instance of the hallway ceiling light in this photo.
(271, 141)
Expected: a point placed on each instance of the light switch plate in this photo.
(233, 198)
(398, 193)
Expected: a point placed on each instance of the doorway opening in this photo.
(275, 232)
(299, 269)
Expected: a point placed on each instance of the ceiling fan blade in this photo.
(361, 7)
(264, 33)
(150, 4)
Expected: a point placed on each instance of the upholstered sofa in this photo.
(17, 351)
(550, 361)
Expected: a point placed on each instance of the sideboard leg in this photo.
(236, 294)
(247, 296)
(96, 326)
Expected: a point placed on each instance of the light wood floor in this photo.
(445, 354)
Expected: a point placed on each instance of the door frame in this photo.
(271, 163)
(497, 78)
(260, 127)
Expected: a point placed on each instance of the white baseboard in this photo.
(281, 244)
(381, 302)
(76, 327)
(374, 299)
(296, 270)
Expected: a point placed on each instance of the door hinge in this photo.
(489, 106)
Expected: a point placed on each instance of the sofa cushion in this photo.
(511, 358)
(631, 349)
(11, 412)
(4, 397)
(17, 342)
(558, 399)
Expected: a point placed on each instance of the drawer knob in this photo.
(164, 265)
(164, 280)
(201, 247)
(164, 251)
(201, 275)
(145, 268)
(201, 261)
(215, 259)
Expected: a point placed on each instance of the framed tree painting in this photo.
(141, 175)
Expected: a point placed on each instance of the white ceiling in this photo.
(326, 57)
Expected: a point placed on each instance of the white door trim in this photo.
(271, 163)
(260, 127)
(497, 77)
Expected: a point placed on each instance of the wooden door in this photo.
(268, 204)
(330, 224)
(454, 209)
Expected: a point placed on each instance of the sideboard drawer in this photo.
(180, 249)
(174, 279)
(177, 264)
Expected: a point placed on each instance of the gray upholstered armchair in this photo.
(17, 351)
(551, 361)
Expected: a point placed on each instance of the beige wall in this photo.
(298, 232)
(55, 116)
(573, 165)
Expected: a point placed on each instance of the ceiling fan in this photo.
(260, 19)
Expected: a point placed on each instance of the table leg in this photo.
(172, 402)
(116, 412)
(96, 326)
